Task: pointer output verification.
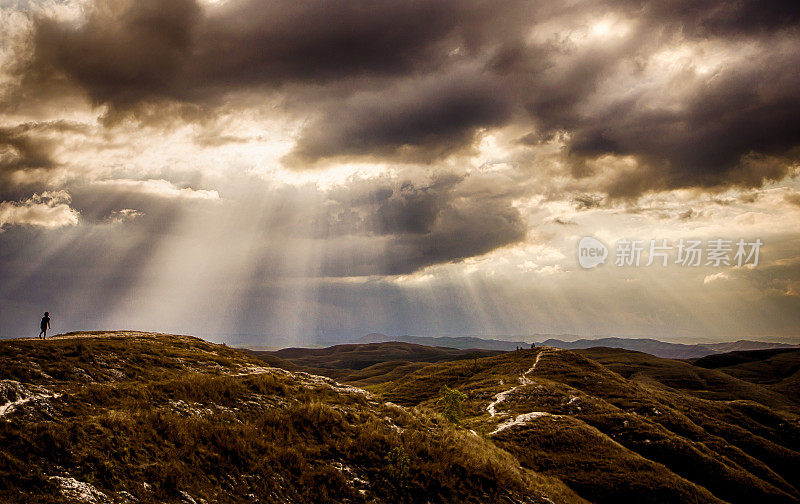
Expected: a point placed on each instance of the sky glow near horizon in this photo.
(313, 170)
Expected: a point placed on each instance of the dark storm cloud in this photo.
(793, 197)
(26, 148)
(131, 51)
(422, 121)
(412, 210)
(27, 145)
(130, 55)
(464, 229)
(97, 203)
(434, 223)
(401, 226)
(126, 52)
(716, 18)
(19, 151)
(461, 230)
(736, 125)
(740, 127)
(388, 79)
(318, 40)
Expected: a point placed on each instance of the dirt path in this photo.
(523, 380)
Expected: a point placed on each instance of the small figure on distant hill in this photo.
(533, 345)
(45, 325)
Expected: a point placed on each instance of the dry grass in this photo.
(621, 434)
(178, 420)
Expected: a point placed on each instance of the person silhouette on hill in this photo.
(45, 325)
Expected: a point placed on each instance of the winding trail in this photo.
(523, 380)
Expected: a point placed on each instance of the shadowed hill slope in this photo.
(460, 342)
(622, 437)
(647, 345)
(748, 346)
(665, 349)
(777, 370)
(698, 381)
(360, 356)
(366, 363)
(149, 418)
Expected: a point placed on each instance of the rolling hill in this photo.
(368, 363)
(360, 356)
(665, 349)
(146, 418)
(652, 346)
(150, 418)
(461, 342)
(647, 432)
(686, 378)
(777, 369)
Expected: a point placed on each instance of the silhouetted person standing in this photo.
(45, 325)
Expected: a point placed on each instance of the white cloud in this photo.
(713, 278)
(156, 187)
(49, 209)
(124, 215)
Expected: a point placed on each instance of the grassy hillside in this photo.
(684, 377)
(136, 417)
(360, 356)
(651, 346)
(366, 363)
(737, 357)
(747, 345)
(777, 370)
(622, 437)
(461, 342)
(665, 349)
(126, 418)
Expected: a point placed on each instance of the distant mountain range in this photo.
(461, 342)
(663, 349)
(646, 345)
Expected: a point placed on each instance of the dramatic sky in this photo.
(305, 169)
